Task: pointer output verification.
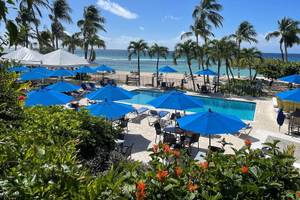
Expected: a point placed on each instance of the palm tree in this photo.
(187, 50)
(208, 11)
(244, 33)
(217, 53)
(72, 42)
(91, 23)
(137, 48)
(158, 51)
(288, 30)
(250, 56)
(95, 41)
(34, 8)
(60, 12)
(24, 19)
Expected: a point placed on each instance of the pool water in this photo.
(241, 109)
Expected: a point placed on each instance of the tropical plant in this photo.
(34, 8)
(72, 42)
(244, 33)
(24, 19)
(208, 11)
(288, 30)
(250, 58)
(188, 50)
(60, 12)
(91, 23)
(158, 51)
(94, 40)
(137, 48)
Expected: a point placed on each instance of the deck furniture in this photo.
(127, 150)
(158, 131)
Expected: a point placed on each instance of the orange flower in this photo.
(155, 148)
(140, 194)
(161, 175)
(248, 142)
(178, 171)
(21, 98)
(204, 165)
(245, 170)
(176, 153)
(166, 148)
(298, 194)
(192, 187)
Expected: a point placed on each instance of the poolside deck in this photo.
(142, 135)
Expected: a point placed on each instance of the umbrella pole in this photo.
(209, 141)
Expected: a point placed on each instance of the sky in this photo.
(163, 21)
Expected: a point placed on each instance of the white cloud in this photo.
(142, 28)
(116, 9)
(170, 17)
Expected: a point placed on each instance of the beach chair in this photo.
(92, 86)
(84, 86)
(155, 116)
(246, 130)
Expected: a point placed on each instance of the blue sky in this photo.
(163, 21)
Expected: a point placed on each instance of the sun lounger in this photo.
(141, 110)
(246, 130)
(156, 116)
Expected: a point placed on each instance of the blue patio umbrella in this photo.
(176, 100)
(42, 70)
(110, 110)
(290, 95)
(19, 69)
(62, 86)
(111, 93)
(46, 97)
(211, 123)
(206, 72)
(104, 68)
(30, 76)
(62, 72)
(291, 79)
(85, 70)
(167, 69)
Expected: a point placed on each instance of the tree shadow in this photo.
(139, 142)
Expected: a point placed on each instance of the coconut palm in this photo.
(94, 40)
(137, 48)
(34, 8)
(24, 19)
(186, 49)
(91, 23)
(244, 33)
(208, 11)
(217, 52)
(72, 42)
(60, 12)
(249, 57)
(158, 51)
(288, 30)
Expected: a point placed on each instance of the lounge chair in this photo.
(155, 116)
(141, 110)
(246, 130)
(92, 86)
(84, 86)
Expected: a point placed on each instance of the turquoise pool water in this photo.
(241, 109)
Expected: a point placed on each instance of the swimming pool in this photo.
(241, 109)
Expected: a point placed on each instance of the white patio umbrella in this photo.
(24, 56)
(62, 58)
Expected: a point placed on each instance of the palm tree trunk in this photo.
(191, 73)
(281, 50)
(218, 80)
(91, 52)
(285, 52)
(157, 63)
(86, 48)
(56, 42)
(250, 74)
(232, 75)
(139, 69)
(238, 59)
(37, 29)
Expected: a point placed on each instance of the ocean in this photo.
(118, 59)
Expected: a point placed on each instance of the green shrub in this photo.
(243, 88)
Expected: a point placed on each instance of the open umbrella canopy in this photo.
(41, 70)
(167, 69)
(62, 72)
(110, 110)
(206, 72)
(210, 123)
(46, 97)
(291, 79)
(85, 70)
(19, 69)
(31, 76)
(62, 86)
(111, 93)
(290, 95)
(104, 68)
(24, 56)
(176, 100)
